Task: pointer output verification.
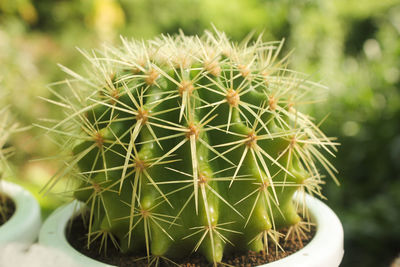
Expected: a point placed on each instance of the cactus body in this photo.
(7, 127)
(186, 144)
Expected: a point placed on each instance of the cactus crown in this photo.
(190, 143)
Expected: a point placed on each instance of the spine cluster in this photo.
(188, 143)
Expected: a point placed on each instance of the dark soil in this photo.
(77, 237)
(7, 208)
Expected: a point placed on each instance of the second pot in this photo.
(24, 224)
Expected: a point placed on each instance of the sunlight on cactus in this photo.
(190, 144)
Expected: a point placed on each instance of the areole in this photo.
(24, 224)
(325, 249)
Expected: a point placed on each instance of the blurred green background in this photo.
(352, 46)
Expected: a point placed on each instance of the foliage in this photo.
(355, 51)
(353, 46)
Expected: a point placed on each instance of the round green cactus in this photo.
(187, 143)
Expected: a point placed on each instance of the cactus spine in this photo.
(190, 143)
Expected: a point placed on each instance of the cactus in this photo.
(7, 127)
(189, 144)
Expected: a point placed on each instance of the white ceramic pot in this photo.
(325, 249)
(24, 224)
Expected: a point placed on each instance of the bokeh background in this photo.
(352, 46)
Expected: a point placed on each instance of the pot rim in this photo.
(23, 226)
(325, 249)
